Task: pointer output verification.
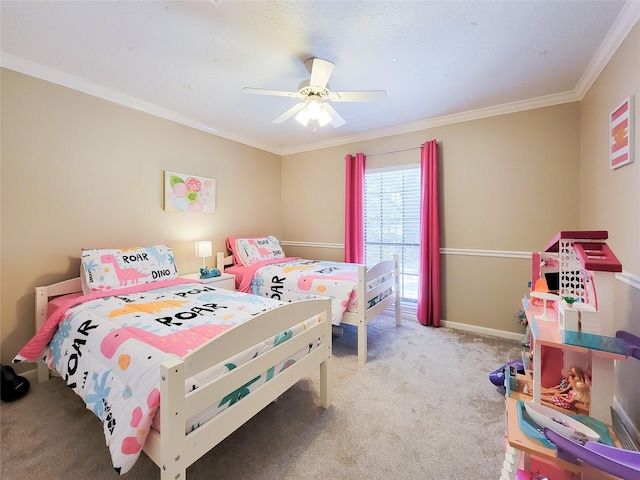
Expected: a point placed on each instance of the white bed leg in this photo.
(326, 383)
(43, 372)
(362, 342)
(326, 368)
(398, 303)
(172, 418)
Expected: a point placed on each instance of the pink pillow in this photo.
(231, 246)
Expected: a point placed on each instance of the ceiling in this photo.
(439, 61)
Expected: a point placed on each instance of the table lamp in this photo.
(204, 249)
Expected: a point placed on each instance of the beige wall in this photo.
(508, 184)
(610, 199)
(78, 172)
(81, 172)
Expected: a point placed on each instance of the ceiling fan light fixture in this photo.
(303, 117)
(324, 118)
(314, 108)
(316, 97)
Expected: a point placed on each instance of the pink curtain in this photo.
(429, 275)
(354, 209)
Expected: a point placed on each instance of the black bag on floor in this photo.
(13, 385)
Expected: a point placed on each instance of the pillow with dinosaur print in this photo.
(253, 250)
(103, 269)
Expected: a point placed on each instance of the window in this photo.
(392, 222)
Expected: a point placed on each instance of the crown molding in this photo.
(623, 24)
(627, 18)
(620, 29)
(513, 107)
(26, 67)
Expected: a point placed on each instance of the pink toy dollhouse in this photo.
(579, 268)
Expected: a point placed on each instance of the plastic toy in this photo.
(616, 461)
(497, 376)
(209, 273)
(560, 423)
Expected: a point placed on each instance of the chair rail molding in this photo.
(443, 251)
(485, 253)
(625, 277)
(291, 243)
(629, 279)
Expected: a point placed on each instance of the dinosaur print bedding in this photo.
(295, 279)
(108, 347)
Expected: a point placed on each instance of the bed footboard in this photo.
(385, 279)
(172, 450)
(378, 289)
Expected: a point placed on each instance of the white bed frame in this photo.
(388, 269)
(171, 449)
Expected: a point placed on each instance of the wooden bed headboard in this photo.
(223, 261)
(43, 294)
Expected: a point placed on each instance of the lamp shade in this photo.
(314, 109)
(303, 117)
(204, 249)
(324, 118)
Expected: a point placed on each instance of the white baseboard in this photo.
(410, 313)
(483, 330)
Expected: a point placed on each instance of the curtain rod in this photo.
(391, 151)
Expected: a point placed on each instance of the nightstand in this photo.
(224, 280)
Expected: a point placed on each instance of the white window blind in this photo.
(392, 222)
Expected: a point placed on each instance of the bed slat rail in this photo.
(230, 419)
(386, 267)
(248, 334)
(201, 398)
(387, 285)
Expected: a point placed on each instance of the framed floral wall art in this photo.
(189, 193)
(621, 123)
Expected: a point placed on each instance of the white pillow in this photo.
(253, 250)
(106, 269)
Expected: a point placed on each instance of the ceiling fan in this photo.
(315, 93)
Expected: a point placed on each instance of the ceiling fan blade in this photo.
(262, 91)
(289, 113)
(336, 119)
(320, 72)
(363, 96)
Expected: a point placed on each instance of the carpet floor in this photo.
(421, 408)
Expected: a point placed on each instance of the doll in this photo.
(579, 393)
(565, 385)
